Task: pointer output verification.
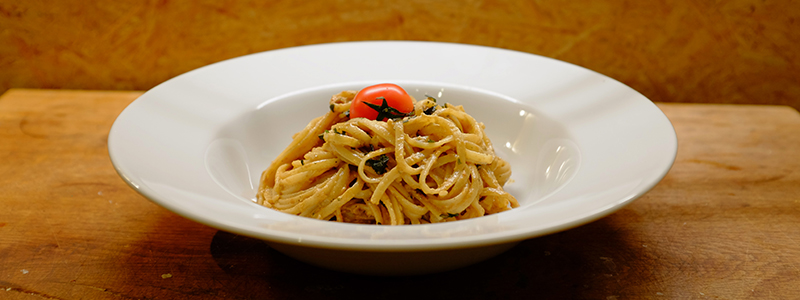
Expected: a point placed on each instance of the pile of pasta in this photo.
(434, 165)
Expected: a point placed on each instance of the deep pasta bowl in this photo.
(581, 146)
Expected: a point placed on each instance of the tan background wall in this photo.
(737, 51)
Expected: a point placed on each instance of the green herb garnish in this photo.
(378, 163)
(430, 110)
(321, 136)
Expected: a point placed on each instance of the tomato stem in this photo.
(385, 111)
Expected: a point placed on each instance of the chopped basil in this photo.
(331, 107)
(448, 215)
(321, 136)
(430, 110)
(378, 164)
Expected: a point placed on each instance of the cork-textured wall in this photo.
(738, 51)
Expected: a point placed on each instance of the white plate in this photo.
(581, 145)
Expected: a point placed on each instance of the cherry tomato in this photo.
(381, 102)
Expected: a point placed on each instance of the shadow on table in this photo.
(588, 260)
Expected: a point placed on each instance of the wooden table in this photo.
(723, 224)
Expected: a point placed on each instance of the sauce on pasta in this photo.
(434, 164)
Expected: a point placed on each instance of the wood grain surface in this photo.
(736, 51)
(723, 224)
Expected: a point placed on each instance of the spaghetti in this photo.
(432, 165)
